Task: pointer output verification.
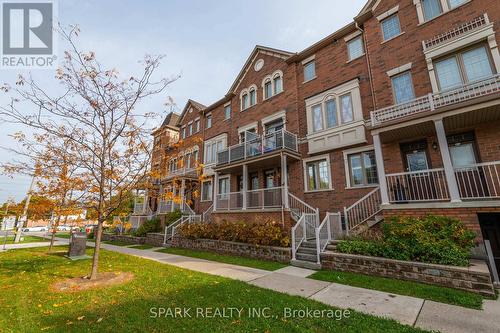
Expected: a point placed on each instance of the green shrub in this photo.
(152, 225)
(432, 239)
(267, 233)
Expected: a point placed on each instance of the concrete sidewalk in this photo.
(293, 280)
(32, 244)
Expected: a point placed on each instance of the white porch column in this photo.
(245, 185)
(448, 166)
(284, 180)
(216, 189)
(384, 194)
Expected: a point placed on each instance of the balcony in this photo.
(267, 198)
(479, 181)
(182, 172)
(258, 146)
(437, 101)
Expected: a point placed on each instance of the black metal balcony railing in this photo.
(257, 146)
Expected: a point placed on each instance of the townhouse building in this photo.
(396, 113)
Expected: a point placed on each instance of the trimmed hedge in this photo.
(432, 239)
(268, 233)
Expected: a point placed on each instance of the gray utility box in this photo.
(77, 245)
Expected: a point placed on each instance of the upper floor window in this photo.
(227, 111)
(183, 132)
(309, 71)
(253, 97)
(212, 147)
(244, 101)
(190, 129)
(432, 8)
(209, 121)
(272, 84)
(463, 67)
(268, 88)
(197, 125)
(456, 3)
(402, 87)
(391, 27)
(355, 48)
(327, 114)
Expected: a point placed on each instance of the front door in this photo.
(272, 194)
(416, 185)
(490, 228)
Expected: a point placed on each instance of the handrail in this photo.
(171, 227)
(298, 235)
(414, 172)
(324, 233)
(206, 214)
(310, 209)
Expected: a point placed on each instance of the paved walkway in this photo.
(293, 280)
(28, 245)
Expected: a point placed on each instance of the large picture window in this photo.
(327, 114)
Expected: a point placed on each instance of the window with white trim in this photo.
(318, 175)
(268, 89)
(244, 101)
(197, 125)
(272, 85)
(206, 190)
(278, 83)
(402, 87)
(309, 70)
(190, 129)
(466, 66)
(456, 3)
(183, 132)
(227, 111)
(328, 113)
(362, 169)
(208, 121)
(253, 96)
(224, 188)
(355, 48)
(390, 27)
(431, 9)
(212, 147)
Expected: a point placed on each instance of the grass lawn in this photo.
(242, 261)
(25, 239)
(142, 247)
(420, 290)
(27, 305)
(63, 234)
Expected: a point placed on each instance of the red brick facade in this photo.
(371, 71)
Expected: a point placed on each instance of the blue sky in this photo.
(206, 42)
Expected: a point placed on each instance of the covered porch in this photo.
(450, 157)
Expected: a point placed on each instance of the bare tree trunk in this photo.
(97, 248)
(54, 229)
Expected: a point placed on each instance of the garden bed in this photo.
(475, 278)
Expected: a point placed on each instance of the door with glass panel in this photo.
(253, 194)
(471, 180)
(418, 184)
(272, 191)
(252, 142)
(273, 138)
(223, 196)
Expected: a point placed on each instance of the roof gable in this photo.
(190, 103)
(256, 51)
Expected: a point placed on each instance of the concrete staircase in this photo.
(306, 256)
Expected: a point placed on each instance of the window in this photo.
(268, 89)
(206, 191)
(212, 148)
(462, 149)
(253, 97)
(209, 121)
(355, 48)
(317, 118)
(432, 8)
(391, 27)
(466, 66)
(244, 101)
(224, 187)
(195, 158)
(227, 112)
(331, 113)
(197, 125)
(278, 84)
(317, 175)
(309, 71)
(346, 108)
(183, 132)
(456, 3)
(362, 169)
(190, 129)
(402, 87)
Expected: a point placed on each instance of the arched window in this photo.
(253, 95)
(268, 89)
(278, 83)
(243, 99)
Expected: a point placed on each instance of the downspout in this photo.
(370, 76)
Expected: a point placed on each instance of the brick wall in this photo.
(279, 254)
(474, 279)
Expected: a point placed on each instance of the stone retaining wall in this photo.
(123, 238)
(475, 278)
(155, 239)
(273, 253)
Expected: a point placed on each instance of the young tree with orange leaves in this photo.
(97, 113)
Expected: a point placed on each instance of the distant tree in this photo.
(97, 113)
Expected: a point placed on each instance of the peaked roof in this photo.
(198, 106)
(258, 48)
(367, 9)
(171, 120)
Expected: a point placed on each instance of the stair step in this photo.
(306, 257)
(307, 250)
(305, 264)
(310, 244)
(331, 247)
